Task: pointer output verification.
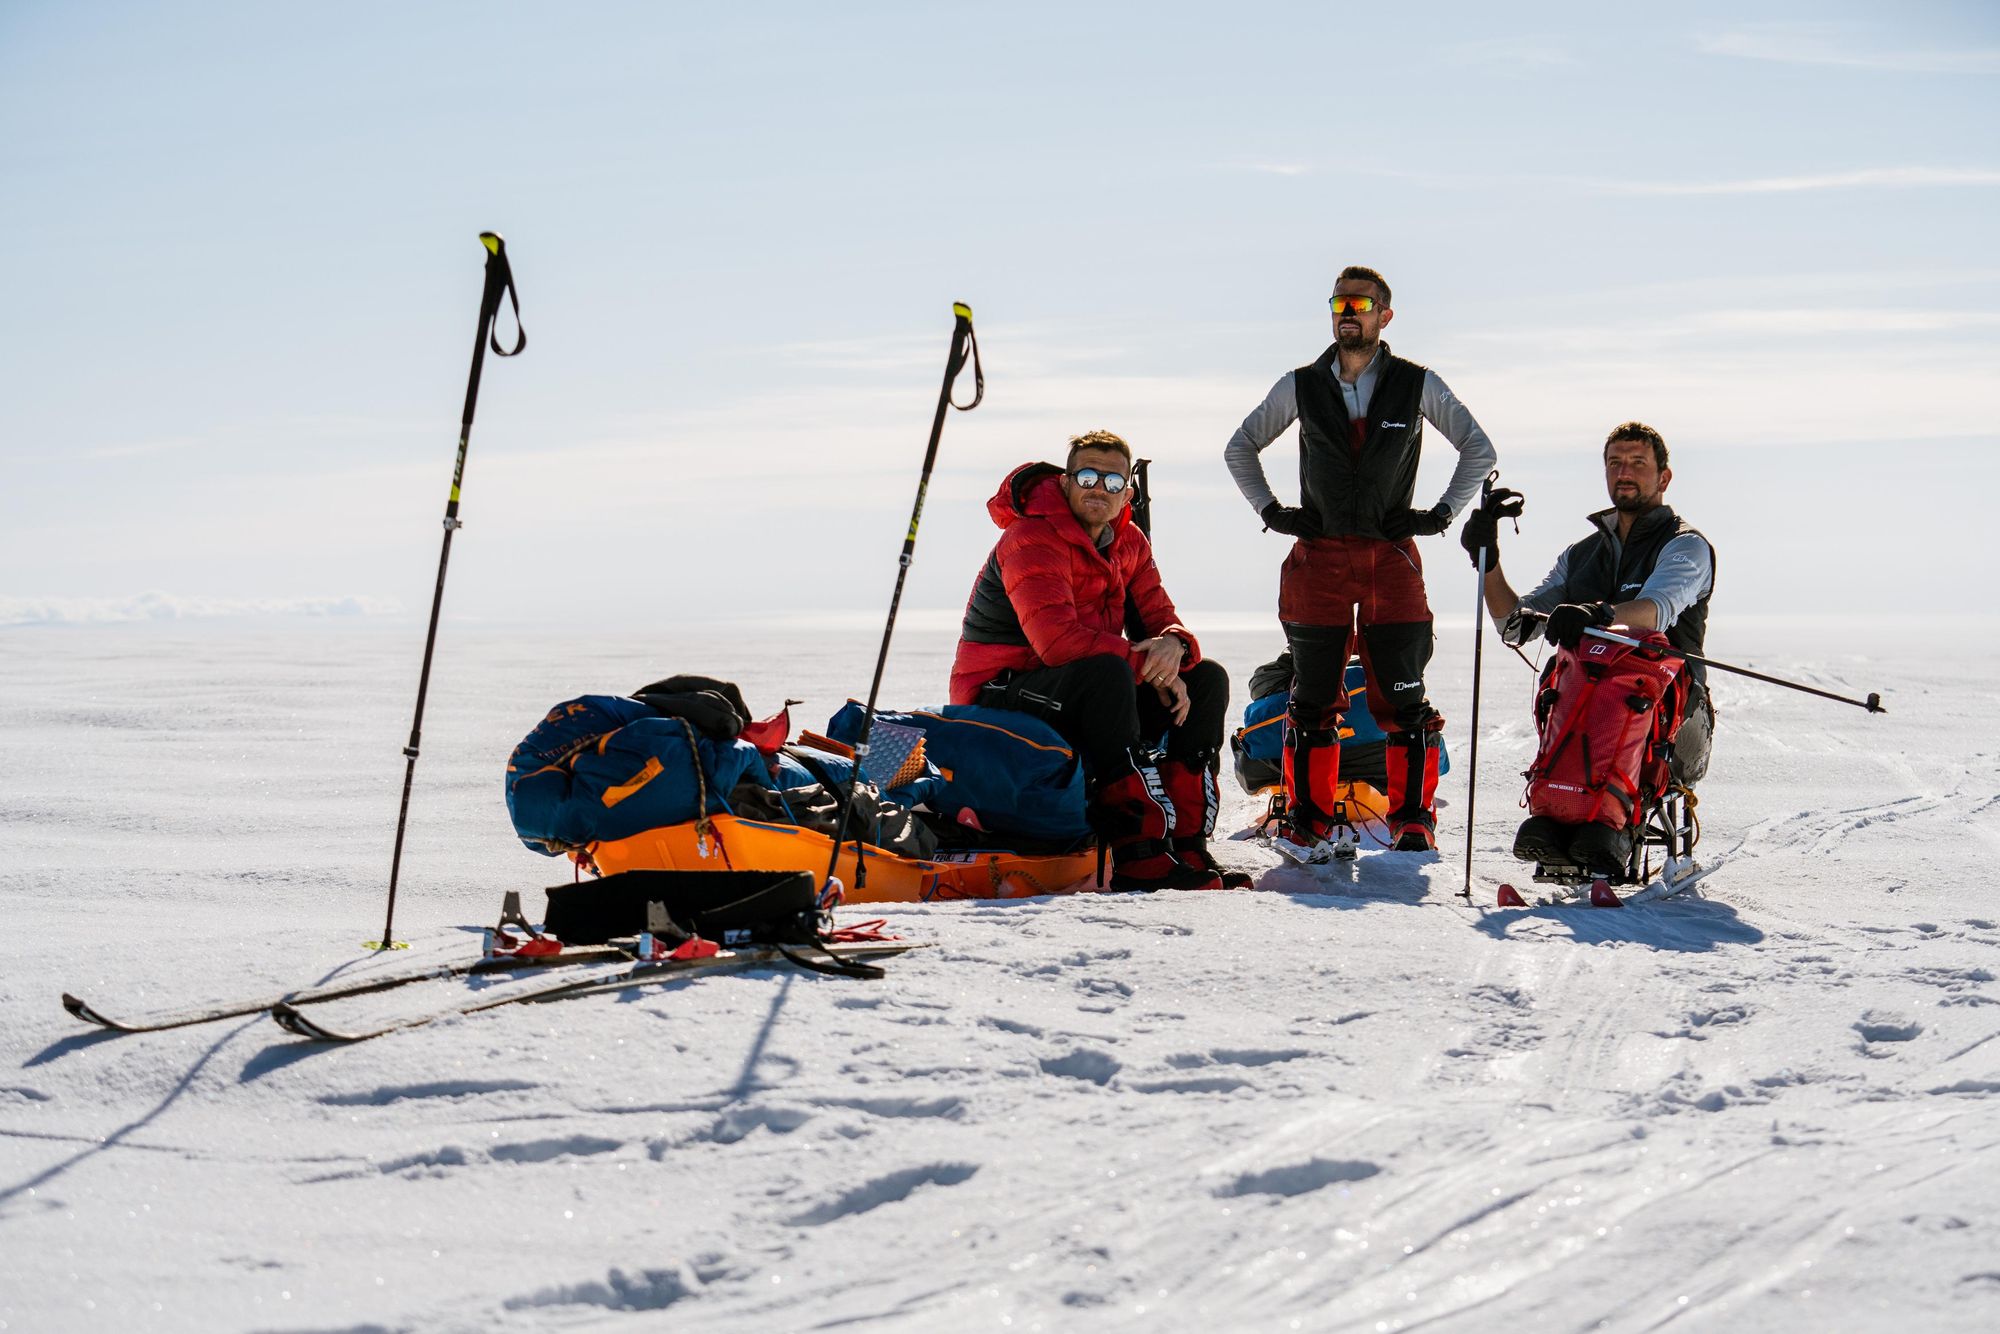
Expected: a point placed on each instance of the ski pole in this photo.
(499, 282)
(1478, 644)
(963, 343)
(1873, 703)
(1509, 508)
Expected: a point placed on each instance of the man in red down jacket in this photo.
(1050, 630)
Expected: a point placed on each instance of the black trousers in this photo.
(1100, 708)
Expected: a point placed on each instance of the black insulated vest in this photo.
(1347, 495)
(1601, 571)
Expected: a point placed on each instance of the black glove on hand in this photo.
(1568, 622)
(1289, 520)
(1482, 529)
(1399, 524)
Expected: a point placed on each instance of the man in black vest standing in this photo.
(1361, 414)
(1642, 567)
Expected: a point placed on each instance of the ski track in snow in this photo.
(1352, 1101)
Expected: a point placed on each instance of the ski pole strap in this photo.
(500, 282)
(962, 339)
(1873, 703)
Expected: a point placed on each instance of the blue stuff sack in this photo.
(604, 767)
(1013, 771)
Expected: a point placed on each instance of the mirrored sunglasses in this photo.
(1343, 305)
(1112, 482)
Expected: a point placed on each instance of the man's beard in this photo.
(1356, 342)
(1631, 502)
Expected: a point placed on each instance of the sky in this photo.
(238, 244)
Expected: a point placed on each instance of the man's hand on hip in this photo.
(1399, 524)
(1289, 520)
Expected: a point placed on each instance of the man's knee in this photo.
(1101, 674)
(1208, 706)
(1693, 742)
(1397, 656)
(1319, 664)
(1206, 679)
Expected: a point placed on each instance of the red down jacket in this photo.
(1047, 596)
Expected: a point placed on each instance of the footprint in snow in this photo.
(945, 1108)
(1974, 1086)
(1095, 1067)
(1194, 1060)
(740, 1123)
(643, 1290)
(546, 1150)
(883, 1190)
(1879, 1027)
(436, 1161)
(1700, 1022)
(1196, 1084)
(1299, 1178)
(453, 1088)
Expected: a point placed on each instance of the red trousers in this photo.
(1326, 579)
(1331, 583)
(1328, 585)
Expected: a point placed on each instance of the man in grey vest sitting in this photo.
(1642, 567)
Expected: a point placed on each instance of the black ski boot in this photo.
(1602, 850)
(1543, 838)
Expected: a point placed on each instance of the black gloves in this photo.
(1290, 521)
(1568, 622)
(1482, 529)
(1399, 524)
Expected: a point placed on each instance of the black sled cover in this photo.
(729, 907)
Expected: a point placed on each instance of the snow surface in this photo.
(1351, 1102)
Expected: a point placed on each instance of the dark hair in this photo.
(1362, 273)
(1097, 440)
(1643, 434)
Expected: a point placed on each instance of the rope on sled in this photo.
(1694, 820)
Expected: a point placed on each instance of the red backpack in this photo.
(1606, 712)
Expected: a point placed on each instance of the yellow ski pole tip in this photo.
(960, 309)
(492, 241)
(378, 945)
